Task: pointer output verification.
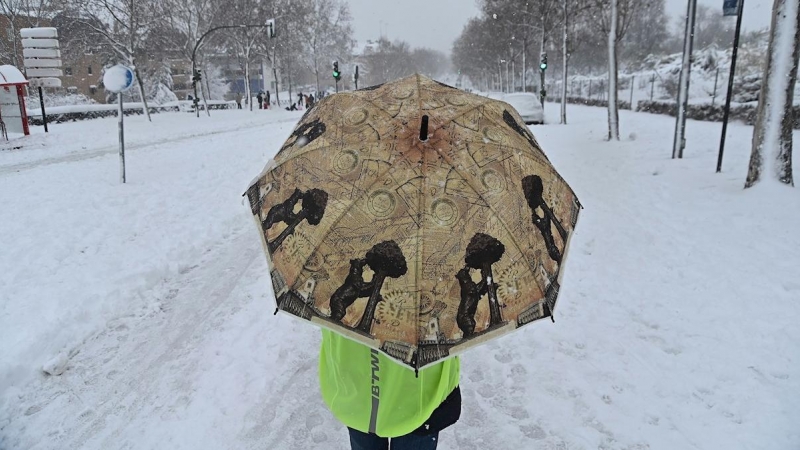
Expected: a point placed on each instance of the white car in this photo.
(527, 105)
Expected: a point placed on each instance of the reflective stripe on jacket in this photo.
(369, 392)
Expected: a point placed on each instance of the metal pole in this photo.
(44, 114)
(121, 141)
(508, 86)
(590, 88)
(730, 86)
(513, 77)
(194, 85)
(524, 66)
(633, 80)
(500, 74)
(652, 86)
(679, 143)
(714, 96)
(542, 92)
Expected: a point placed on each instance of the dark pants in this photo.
(364, 441)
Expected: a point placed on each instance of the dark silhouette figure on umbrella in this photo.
(313, 208)
(483, 251)
(471, 293)
(533, 189)
(354, 287)
(386, 260)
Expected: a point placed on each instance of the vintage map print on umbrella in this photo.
(415, 218)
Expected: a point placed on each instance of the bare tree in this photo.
(189, 22)
(23, 14)
(613, 105)
(328, 33)
(772, 136)
(125, 25)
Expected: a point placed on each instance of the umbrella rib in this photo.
(491, 208)
(337, 220)
(420, 237)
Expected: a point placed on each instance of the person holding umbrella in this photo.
(410, 409)
(410, 234)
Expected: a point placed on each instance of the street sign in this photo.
(40, 43)
(42, 60)
(39, 32)
(118, 78)
(41, 53)
(45, 82)
(42, 63)
(730, 7)
(44, 73)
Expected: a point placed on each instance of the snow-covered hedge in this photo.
(589, 102)
(706, 112)
(85, 112)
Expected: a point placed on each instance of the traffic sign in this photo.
(44, 73)
(42, 62)
(730, 7)
(118, 78)
(41, 53)
(39, 32)
(45, 82)
(40, 43)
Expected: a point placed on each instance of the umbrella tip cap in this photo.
(423, 129)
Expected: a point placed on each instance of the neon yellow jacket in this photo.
(369, 392)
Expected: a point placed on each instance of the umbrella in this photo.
(416, 218)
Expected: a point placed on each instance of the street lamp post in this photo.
(195, 100)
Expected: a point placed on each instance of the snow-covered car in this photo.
(495, 95)
(527, 105)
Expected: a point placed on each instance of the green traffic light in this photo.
(543, 66)
(336, 74)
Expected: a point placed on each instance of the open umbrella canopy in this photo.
(415, 218)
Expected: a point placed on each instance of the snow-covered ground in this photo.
(676, 328)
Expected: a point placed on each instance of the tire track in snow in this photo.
(113, 150)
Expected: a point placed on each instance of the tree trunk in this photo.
(565, 57)
(277, 86)
(772, 135)
(316, 73)
(613, 107)
(247, 81)
(524, 65)
(205, 90)
(141, 92)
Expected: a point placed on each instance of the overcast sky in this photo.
(437, 23)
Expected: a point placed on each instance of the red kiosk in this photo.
(13, 116)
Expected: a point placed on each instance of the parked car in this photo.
(495, 95)
(527, 105)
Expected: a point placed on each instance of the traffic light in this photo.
(336, 74)
(270, 28)
(197, 76)
(543, 62)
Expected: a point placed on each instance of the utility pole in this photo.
(542, 69)
(727, 111)
(679, 142)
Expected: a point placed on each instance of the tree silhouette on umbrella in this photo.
(313, 208)
(386, 260)
(483, 251)
(533, 189)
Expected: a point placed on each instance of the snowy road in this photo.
(676, 328)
